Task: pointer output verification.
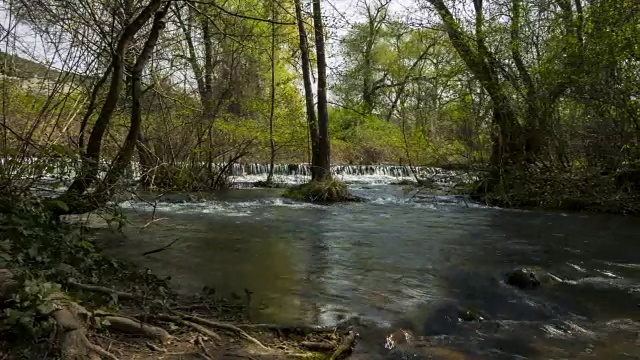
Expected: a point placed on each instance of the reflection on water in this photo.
(397, 259)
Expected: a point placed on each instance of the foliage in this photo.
(547, 188)
(28, 317)
(43, 253)
(525, 83)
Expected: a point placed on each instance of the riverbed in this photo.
(402, 259)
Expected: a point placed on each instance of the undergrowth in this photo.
(559, 189)
(42, 254)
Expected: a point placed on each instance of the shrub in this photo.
(321, 191)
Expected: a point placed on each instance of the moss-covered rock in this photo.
(330, 191)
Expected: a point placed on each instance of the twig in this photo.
(151, 222)
(159, 249)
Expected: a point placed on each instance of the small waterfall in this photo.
(395, 171)
(65, 170)
(366, 174)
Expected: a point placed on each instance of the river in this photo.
(400, 260)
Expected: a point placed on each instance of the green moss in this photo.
(329, 191)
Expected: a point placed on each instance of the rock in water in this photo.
(523, 278)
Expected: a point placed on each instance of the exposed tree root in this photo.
(72, 321)
(155, 347)
(178, 320)
(318, 346)
(345, 346)
(71, 331)
(104, 290)
(70, 337)
(201, 345)
(224, 326)
(297, 329)
(133, 326)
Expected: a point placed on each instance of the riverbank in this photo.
(569, 190)
(62, 297)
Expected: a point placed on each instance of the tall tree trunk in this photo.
(272, 144)
(323, 164)
(308, 91)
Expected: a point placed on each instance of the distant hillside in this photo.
(18, 67)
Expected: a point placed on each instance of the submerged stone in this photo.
(178, 198)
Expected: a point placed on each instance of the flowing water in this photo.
(405, 261)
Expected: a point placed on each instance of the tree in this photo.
(305, 65)
(323, 161)
(76, 198)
